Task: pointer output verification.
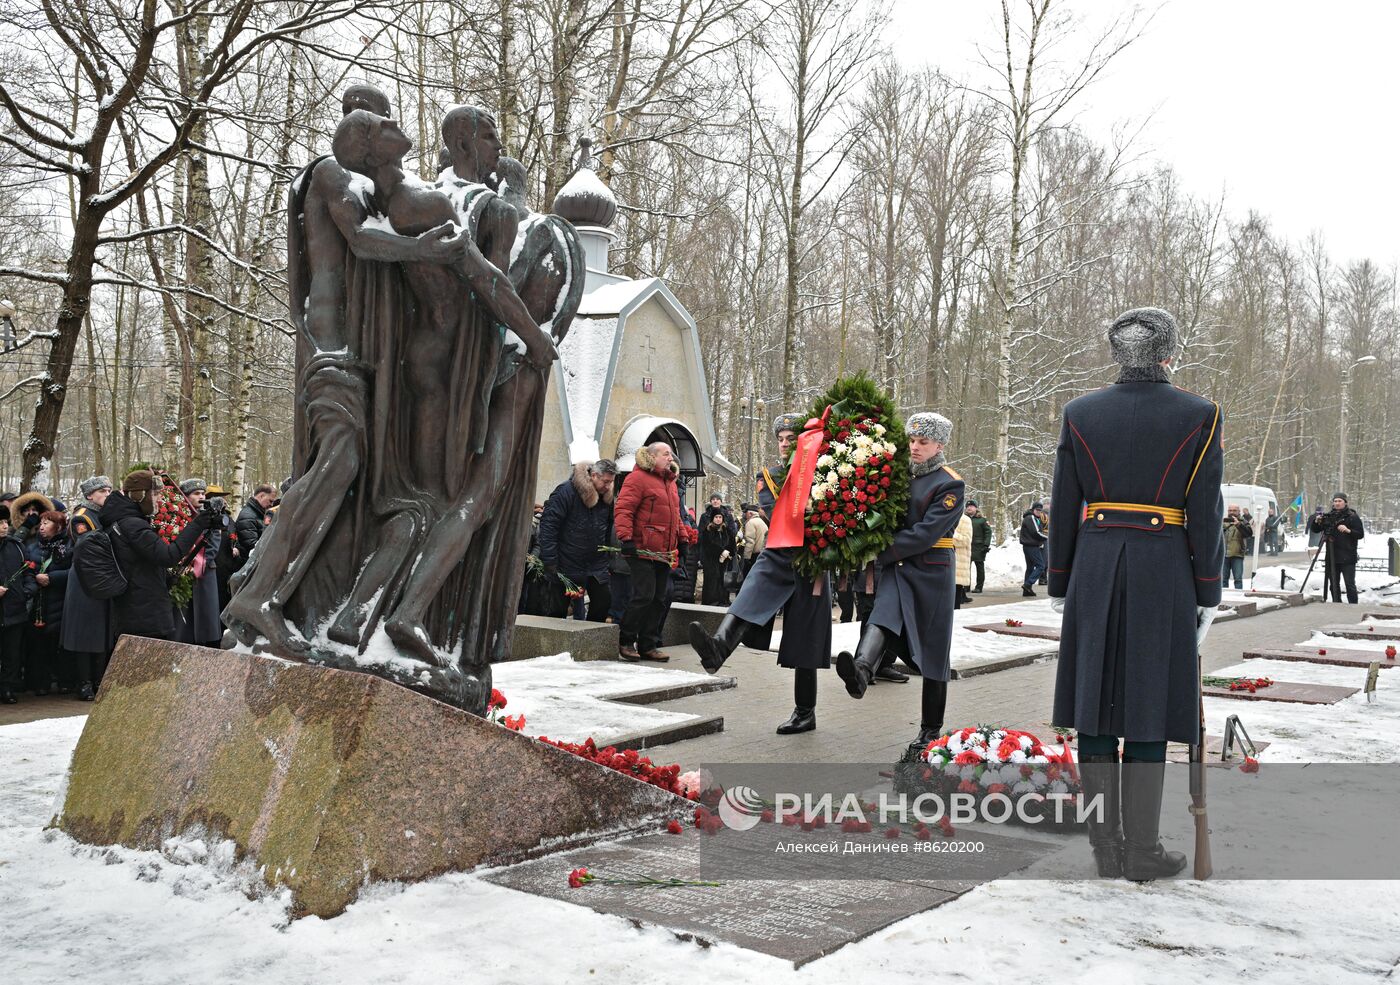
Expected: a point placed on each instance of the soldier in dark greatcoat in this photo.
(772, 586)
(913, 614)
(1136, 557)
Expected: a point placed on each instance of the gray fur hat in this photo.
(927, 424)
(1143, 337)
(93, 483)
(788, 422)
(193, 485)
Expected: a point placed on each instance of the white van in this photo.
(1255, 499)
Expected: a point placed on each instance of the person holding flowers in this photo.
(914, 602)
(17, 587)
(775, 585)
(145, 556)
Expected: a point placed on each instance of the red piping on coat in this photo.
(1168, 469)
(1102, 491)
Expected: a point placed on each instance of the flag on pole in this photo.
(1296, 508)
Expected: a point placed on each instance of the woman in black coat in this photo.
(46, 667)
(716, 547)
(17, 587)
(145, 609)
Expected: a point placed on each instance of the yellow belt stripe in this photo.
(1168, 514)
(945, 542)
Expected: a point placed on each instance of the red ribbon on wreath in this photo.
(790, 512)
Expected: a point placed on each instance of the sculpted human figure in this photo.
(517, 391)
(427, 318)
(334, 378)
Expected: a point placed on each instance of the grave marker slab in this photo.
(1288, 691)
(1334, 656)
(1030, 632)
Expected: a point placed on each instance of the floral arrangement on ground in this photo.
(983, 760)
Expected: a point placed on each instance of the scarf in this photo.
(924, 468)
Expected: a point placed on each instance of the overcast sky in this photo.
(1290, 108)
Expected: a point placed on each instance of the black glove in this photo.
(629, 549)
(552, 570)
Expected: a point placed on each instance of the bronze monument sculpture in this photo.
(427, 320)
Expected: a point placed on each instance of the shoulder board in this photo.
(951, 473)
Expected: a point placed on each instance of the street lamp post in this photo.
(1342, 443)
(753, 410)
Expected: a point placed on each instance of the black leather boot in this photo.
(715, 650)
(1144, 858)
(857, 670)
(889, 674)
(927, 733)
(1100, 777)
(802, 720)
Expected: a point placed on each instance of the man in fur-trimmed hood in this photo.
(573, 525)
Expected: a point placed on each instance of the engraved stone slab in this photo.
(1305, 694)
(328, 779)
(1364, 632)
(1030, 632)
(1340, 658)
(800, 917)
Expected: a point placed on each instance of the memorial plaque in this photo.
(1382, 614)
(1364, 632)
(799, 918)
(1239, 609)
(1305, 694)
(1321, 655)
(1030, 632)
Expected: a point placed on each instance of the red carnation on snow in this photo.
(674, 827)
(498, 700)
(579, 878)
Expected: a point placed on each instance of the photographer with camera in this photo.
(1341, 529)
(1234, 532)
(201, 614)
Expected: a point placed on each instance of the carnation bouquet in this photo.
(860, 478)
(983, 760)
(171, 514)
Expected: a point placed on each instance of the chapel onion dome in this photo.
(585, 200)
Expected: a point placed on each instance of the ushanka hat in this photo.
(788, 422)
(927, 424)
(193, 485)
(93, 483)
(1143, 337)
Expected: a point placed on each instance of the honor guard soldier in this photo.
(913, 614)
(772, 586)
(1136, 558)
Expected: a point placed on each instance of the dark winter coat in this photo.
(723, 511)
(648, 511)
(18, 581)
(1031, 533)
(574, 525)
(202, 623)
(918, 573)
(87, 623)
(714, 542)
(981, 537)
(773, 585)
(59, 555)
(1341, 547)
(144, 609)
(1131, 581)
(248, 528)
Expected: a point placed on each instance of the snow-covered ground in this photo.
(563, 698)
(111, 916)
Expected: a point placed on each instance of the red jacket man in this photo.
(647, 517)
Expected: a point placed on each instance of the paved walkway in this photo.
(878, 727)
